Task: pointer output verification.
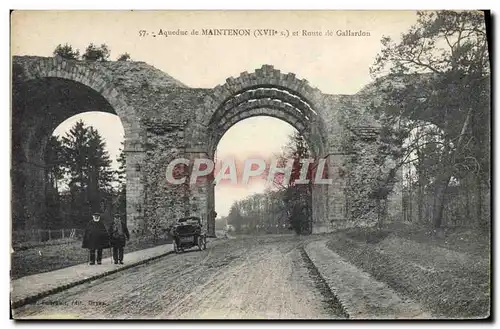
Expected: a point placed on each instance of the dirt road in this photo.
(244, 278)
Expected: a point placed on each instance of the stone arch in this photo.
(265, 92)
(267, 76)
(273, 110)
(259, 93)
(262, 107)
(267, 88)
(92, 79)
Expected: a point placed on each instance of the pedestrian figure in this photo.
(96, 238)
(119, 234)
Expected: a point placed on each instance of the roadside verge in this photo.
(361, 296)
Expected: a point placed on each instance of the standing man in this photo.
(96, 238)
(119, 233)
(211, 222)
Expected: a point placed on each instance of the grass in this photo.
(449, 279)
(53, 257)
(30, 245)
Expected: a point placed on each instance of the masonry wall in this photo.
(163, 202)
(168, 135)
(163, 119)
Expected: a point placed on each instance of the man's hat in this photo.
(96, 214)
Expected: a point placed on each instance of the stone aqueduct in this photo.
(164, 119)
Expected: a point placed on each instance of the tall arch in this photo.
(47, 77)
(267, 88)
(266, 92)
(89, 75)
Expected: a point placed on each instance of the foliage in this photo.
(54, 173)
(94, 53)
(124, 57)
(67, 52)
(120, 174)
(79, 165)
(435, 102)
(234, 217)
(261, 212)
(286, 206)
(53, 161)
(297, 197)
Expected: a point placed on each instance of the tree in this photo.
(121, 206)
(100, 174)
(75, 159)
(439, 74)
(262, 212)
(67, 52)
(124, 57)
(88, 171)
(296, 197)
(94, 53)
(54, 160)
(54, 173)
(235, 218)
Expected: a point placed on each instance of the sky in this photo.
(334, 64)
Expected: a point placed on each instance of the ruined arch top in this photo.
(267, 75)
(266, 92)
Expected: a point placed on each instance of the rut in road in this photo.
(248, 278)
